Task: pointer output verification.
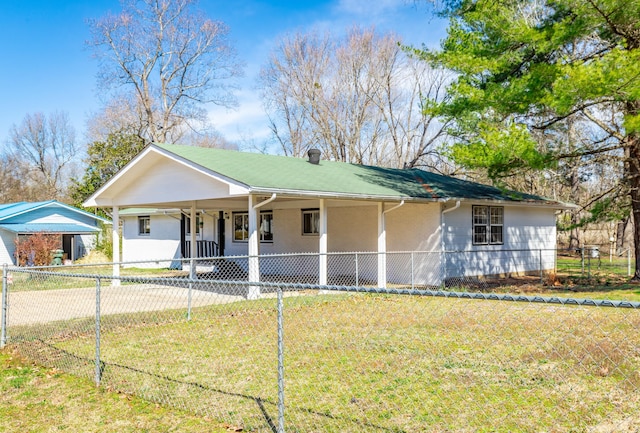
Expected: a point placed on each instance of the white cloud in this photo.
(247, 122)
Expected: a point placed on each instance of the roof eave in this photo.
(534, 203)
(337, 195)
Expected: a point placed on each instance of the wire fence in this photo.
(595, 261)
(431, 351)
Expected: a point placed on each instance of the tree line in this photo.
(539, 96)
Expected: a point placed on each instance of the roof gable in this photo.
(28, 212)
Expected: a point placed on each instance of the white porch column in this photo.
(254, 241)
(115, 239)
(192, 239)
(322, 246)
(382, 248)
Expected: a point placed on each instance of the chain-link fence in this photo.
(582, 265)
(430, 352)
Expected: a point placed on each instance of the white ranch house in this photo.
(182, 201)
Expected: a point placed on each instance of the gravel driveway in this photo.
(25, 308)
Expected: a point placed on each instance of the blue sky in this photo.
(46, 67)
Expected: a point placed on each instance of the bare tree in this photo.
(117, 116)
(12, 175)
(44, 154)
(359, 98)
(168, 61)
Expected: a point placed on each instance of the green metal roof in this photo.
(270, 172)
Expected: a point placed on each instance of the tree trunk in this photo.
(633, 143)
(621, 228)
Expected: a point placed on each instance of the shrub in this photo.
(35, 249)
(104, 241)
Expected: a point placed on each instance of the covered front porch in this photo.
(300, 239)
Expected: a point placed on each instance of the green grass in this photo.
(574, 266)
(38, 399)
(375, 363)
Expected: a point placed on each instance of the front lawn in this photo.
(39, 399)
(376, 363)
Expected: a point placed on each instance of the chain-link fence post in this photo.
(5, 288)
(541, 268)
(357, 280)
(582, 260)
(628, 262)
(412, 273)
(192, 276)
(443, 269)
(98, 377)
(280, 362)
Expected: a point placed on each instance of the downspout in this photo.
(262, 203)
(382, 243)
(443, 265)
(394, 208)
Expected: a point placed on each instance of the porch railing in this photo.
(203, 249)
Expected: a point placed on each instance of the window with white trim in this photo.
(488, 225)
(144, 225)
(241, 226)
(310, 222)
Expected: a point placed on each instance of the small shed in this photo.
(76, 228)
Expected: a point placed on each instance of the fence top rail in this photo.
(275, 255)
(355, 289)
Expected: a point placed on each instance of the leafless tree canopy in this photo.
(39, 157)
(359, 99)
(166, 59)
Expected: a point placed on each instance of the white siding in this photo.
(84, 244)
(414, 242)
(414, 229)
(529, 243)
(162, 243)
(167, 178)
(350, 229)
(7, 247)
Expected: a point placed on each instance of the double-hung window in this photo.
(310, 222)
(144, 225)
(488, 225)
(241, 226)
